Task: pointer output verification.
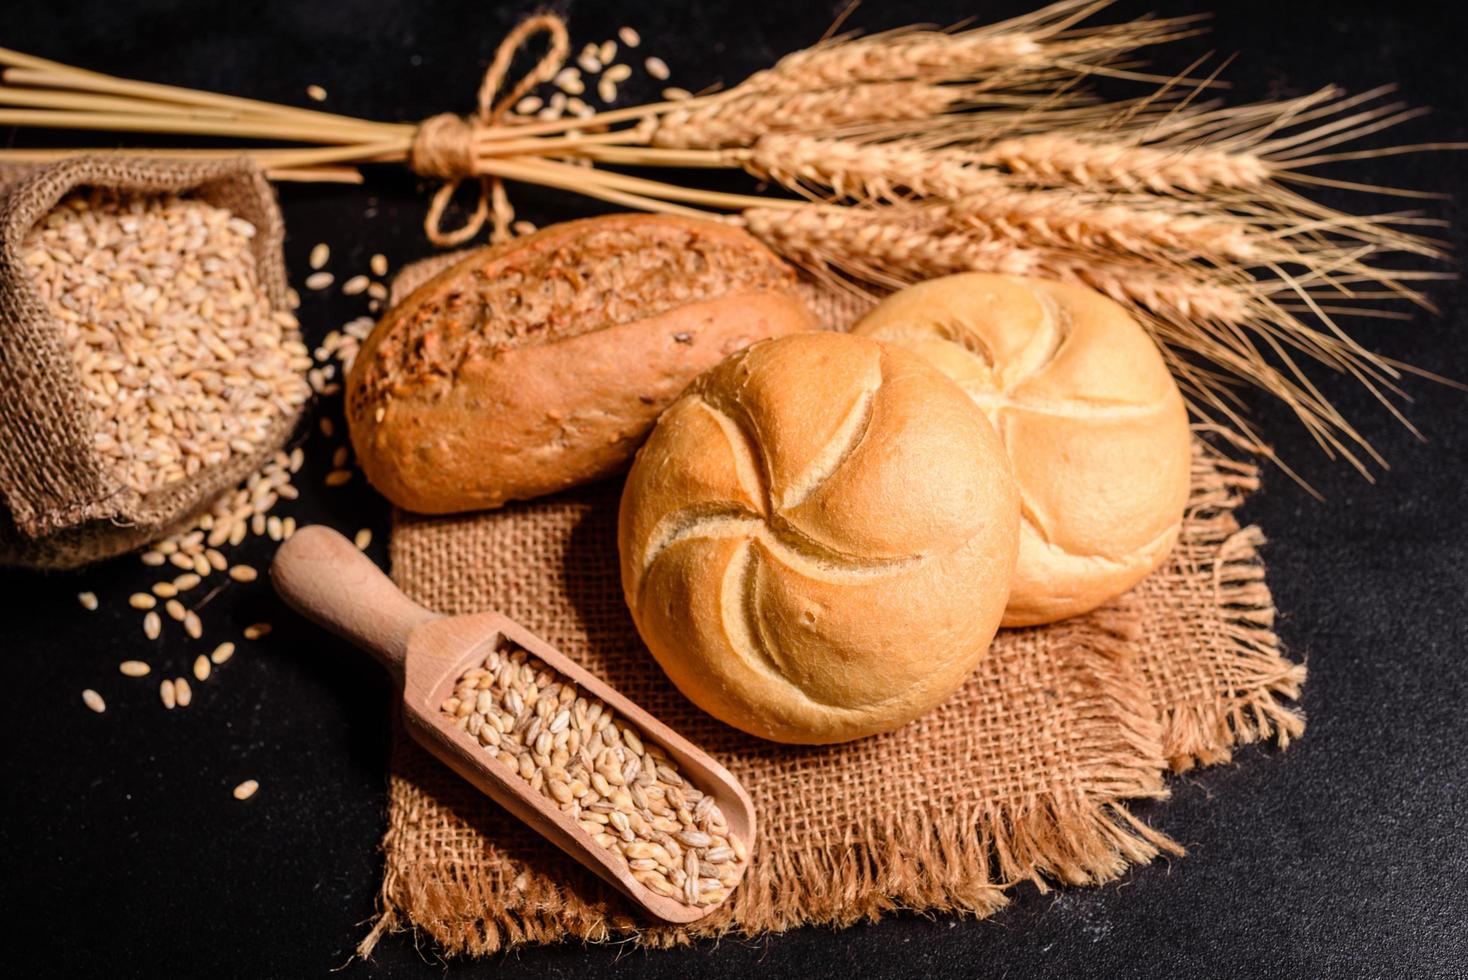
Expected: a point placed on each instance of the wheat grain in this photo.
(657, 68)
(134, 668)
(168, 694)
(629, 36)
(94, 701)
(183, 694)
(319, 280)
(316, 93)
(141, 600)
(320, 255)
(257, 630)
(222, 653)
(378, 264)
(152, 625)
(88, 600)
(246, 789)
(202, 667)
(181, 360)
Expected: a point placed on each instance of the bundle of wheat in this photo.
(899, 156)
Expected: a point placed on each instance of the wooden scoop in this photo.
(323, 576)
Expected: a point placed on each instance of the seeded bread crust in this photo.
(541, 363)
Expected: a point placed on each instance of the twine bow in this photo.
(444, 145)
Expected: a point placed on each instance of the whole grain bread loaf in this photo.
(541, 363)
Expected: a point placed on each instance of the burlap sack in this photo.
(1023, 775)
(59, 505)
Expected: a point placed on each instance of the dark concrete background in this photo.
(1346, 856)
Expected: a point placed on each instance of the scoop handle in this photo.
(325, 578)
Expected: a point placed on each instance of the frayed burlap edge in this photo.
(1257, 703)
(959, 865)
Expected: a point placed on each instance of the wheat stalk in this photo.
(1040, 42)
(914, 154)
(892, 171)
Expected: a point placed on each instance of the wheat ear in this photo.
(740, 119)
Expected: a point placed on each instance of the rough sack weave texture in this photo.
(1023, 775)
(59, 504)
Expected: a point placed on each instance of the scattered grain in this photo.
(588, 61)
(320, 255)
(243, 573)
(165, 590)
(222, 653)
(355, 285)
(167, 693)
(186, 581)
(153, 558)
(378, 264)
(88, 600)
(316, 93)
(175, 609)
(607, 53)
(327, 426)
(141, 600)
(182, 692)
(529, 105)
(629, 36)
(319, 280)
(675, 94)
(94, 701)
(657, 68)
(568, 80)
(152, 625)
(256, 630)
(337, 477)
(134, 668)
(363, 538)
(193, 626)
(246, 789)
(618, 73)
(606, 90)
(202, 668)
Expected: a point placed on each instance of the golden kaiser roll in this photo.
(818, 538)
(1092, 420)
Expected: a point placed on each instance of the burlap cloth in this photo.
(1023, 775)
(60, 503)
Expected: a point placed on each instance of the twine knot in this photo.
(444, 145)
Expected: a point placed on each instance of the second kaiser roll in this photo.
(818, 537)
(1092, 420)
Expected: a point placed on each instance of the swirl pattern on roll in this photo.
(817, 540)
(1094, 425)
